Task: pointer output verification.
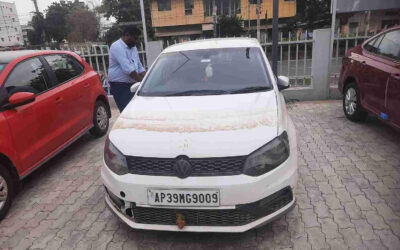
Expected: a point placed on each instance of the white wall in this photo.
(10, 28)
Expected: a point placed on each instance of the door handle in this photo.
(363, 62)
(396, 76)
(58, 100)
(86, 85)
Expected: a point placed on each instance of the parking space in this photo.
(348, 196)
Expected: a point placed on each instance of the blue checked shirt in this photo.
(123, 60)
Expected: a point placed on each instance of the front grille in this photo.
(193, 217)
(242, 215)
(201, 167)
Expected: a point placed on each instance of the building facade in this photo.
(368, 21)
(10, 28)
(194, 18)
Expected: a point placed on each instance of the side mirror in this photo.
(21, 98)
(135, 87)
(283, 82)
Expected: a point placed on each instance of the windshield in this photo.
(207, 72)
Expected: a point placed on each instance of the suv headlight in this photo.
(114, 159)
(268, 157)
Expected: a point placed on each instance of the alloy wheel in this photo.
(102, 117)
(3, 192)
(350, 101)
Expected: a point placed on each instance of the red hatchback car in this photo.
(48, 99)
(370, 78)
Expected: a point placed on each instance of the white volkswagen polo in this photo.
(205, 145)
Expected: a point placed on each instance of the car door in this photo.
(374, 77)
(390, 48)
(70, 80)
(32, 125)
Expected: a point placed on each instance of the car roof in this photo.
(216, 43)
(8, 56)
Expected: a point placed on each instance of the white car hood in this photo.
(196, 126)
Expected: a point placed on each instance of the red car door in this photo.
(390, 48)
(70, 80)
(32, 125)
(374, 77)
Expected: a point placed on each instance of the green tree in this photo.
(84, 26)
(313, 14)
(229, 26)
(37, 35)
(112, 35)
(57, 23)
(127, 11)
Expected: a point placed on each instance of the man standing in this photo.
(125, 67)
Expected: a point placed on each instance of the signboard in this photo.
(344, 6)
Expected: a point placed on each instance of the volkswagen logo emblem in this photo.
(182, 168)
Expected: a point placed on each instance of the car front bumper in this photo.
(235, 191)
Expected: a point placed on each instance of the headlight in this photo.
(268, 157)
(114, 159)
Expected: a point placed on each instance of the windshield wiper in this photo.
(250, 89)
(199, 92)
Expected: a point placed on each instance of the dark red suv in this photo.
(48, 99)
(370, 78)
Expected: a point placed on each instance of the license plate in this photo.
(183, 198)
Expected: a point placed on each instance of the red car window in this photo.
(387, 45)
(2, 67)
(390, 45)
(28, 76)
(64, 67)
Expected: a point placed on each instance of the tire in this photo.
(7, 186)
(100, 119)
(351, 104)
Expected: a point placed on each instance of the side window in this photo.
(372, 46)
(390, 45)
(65, 67)
(27, 76)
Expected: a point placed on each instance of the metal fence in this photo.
(97, 56)
(294, 57)
(295, 54)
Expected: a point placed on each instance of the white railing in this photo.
(294, 58)
(96, 56)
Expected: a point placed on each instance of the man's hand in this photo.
(142, 74)
(135, 76)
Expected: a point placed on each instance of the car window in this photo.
(390, 45)
(203, 72)
(65, 67)
(372, 46)
(2, 67)
(28, 76)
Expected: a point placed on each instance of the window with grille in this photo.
(164, 5)
(189, 7)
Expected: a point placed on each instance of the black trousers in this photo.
(121, 92)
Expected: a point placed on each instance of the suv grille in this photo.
(242, 215)
(201, 166)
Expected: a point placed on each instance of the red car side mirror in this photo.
(21, 98)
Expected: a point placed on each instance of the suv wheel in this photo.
(351, 104)
(6, 191)
(100, 119)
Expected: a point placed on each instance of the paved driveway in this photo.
(348, 196)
